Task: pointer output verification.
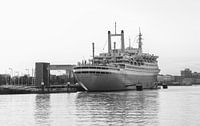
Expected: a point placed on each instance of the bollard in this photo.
(165, 86)
(42, 86)
(139, 86)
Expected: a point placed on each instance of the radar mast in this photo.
(140, 42)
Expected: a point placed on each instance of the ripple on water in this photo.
(175, 106)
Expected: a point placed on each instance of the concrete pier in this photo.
(15, 89)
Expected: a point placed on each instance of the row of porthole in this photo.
(91, 68)
(152, 70)
(103, 68)
(94, 72)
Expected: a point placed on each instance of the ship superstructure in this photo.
(118, 69)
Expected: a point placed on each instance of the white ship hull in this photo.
(118, 69)
(114, 80)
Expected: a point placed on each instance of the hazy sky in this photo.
(62, 31)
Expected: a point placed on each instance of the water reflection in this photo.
(117, 108)
(42, 109)
(176, 106)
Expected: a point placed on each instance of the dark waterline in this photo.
(175, 106)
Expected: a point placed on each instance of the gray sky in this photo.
(61, 31)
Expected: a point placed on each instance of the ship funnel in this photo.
(122, 41)
(114, 35)
(109, 41)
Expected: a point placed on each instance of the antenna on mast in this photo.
(140, 41)
(139, 31)
(129, 42)
(93, 53)
(115, 28)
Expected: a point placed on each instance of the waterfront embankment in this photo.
(21, 89)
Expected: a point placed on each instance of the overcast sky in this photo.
(62, 31)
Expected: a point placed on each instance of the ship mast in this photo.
(115, 28)
(93, 53)
(140, 42)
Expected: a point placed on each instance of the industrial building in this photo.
(187, 78)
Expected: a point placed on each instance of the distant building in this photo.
(190, 78)
(196, 75)
(59, 79)
(178, 79)
(165, 78)
(187, 73)
(188, 81)
(4, 79)
(197, 81)
(187, 78)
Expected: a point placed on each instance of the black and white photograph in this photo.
(100, 63)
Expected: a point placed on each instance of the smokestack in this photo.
(109, 41)
(122, 41)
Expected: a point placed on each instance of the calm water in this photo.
(176, 106)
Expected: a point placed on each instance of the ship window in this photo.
(84, 71)
(122, 65)
(98, 72)
(77, 72)
(77, 67)
(93, 72)
(135, 63)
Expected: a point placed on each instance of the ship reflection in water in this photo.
(118, 108)
(175, 106)
(113, 108)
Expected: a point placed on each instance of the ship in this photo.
(118, 69)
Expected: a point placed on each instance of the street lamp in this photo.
(11, 75)
(22, 78)
(6, 77)
(17, 76)
(27, 76)
(33, 76)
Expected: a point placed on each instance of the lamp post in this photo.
(33, 76)
(11, 75)
(6, 77)
(22, 78)
(17, 76)
(27, 76)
